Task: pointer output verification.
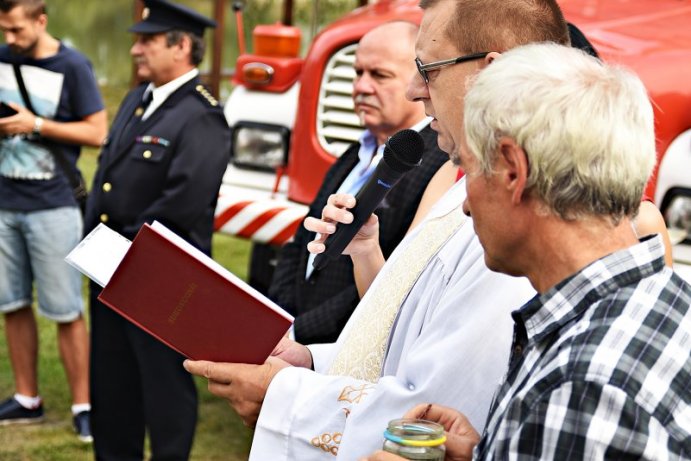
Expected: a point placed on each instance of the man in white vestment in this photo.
(434, 325)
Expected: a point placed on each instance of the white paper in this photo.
(99, 254)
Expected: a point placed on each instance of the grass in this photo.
(220, 433)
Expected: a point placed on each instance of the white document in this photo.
(99, 254)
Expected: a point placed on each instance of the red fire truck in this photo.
(292, 116)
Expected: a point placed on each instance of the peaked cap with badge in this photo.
(162, 16)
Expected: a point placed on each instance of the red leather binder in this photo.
(167, 288)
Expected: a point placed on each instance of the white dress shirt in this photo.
(161, 93)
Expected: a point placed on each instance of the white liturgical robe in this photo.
(449, 345)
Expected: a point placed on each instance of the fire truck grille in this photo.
(337, 124)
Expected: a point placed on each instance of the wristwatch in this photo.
(38, 124)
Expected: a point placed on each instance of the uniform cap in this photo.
(162, 16)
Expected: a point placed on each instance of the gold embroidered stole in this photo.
(362, 353)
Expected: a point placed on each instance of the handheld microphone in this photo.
(402, 152)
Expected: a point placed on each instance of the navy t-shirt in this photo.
(62, 87)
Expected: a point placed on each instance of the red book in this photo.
(191, 303)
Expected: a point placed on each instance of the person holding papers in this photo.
(163, 160)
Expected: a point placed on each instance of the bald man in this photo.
(323, 300)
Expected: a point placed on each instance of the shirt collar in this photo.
(161, 93)
(368, 144)
(571, 297)
(368, 139)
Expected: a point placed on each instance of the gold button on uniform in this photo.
(104, 217)
(147, 154)
(107, 187)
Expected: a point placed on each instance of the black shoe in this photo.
(12, 412)
(82, 426)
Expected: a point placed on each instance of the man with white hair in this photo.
(559, 149)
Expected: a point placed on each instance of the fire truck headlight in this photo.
(260, 146)
(678, 214)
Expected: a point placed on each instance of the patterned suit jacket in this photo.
(167, 168)
(323, 303)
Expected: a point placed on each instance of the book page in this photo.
(99, 254)
(216, 267)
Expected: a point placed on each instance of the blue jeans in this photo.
(33, 246)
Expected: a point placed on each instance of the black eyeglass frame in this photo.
(424, 68)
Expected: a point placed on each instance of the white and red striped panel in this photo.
(260, 219)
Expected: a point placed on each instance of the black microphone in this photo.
(402, 152)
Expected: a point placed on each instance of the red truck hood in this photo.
(632, 27)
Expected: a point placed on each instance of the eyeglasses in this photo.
(424, 68)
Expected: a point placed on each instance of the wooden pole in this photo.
(288, 12)
(217, 56)
(137, 11)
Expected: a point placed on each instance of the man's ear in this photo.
(516, 168)
(42, 21)
(491, 57)
(184, 46)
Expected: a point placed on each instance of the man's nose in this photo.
(417, 88)
(363, 85)
(466, 208)
(135, 49)
(9, 38)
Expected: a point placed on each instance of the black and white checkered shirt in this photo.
(600, 367)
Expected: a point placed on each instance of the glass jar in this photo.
(415, 439)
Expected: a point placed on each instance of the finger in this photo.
(316, 247)
(336, 214)
(418, 411)
(220, 372)
(319, 226)
(341, 200)
(195, 367)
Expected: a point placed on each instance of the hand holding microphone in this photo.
(403, 151)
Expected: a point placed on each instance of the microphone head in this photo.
(403, 150)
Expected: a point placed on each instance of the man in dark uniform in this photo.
(163, 160)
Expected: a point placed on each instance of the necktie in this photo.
(362, 353)
(146, 101)
(130, 127)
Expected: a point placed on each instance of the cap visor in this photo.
(148, 27)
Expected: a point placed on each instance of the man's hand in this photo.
(243, 386)
(461, 436)
(335, 212)
(293, 352)
(21, 122)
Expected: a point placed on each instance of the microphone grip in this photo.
(366, 201)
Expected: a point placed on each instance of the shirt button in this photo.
(107, 187)
(147, 154)
(518, 349)
(104, 217)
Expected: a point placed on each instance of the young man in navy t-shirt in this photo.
(39, 218)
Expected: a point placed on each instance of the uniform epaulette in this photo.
(201, 89)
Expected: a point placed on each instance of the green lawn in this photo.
(220, 433)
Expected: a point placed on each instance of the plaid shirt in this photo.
(600, 367)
